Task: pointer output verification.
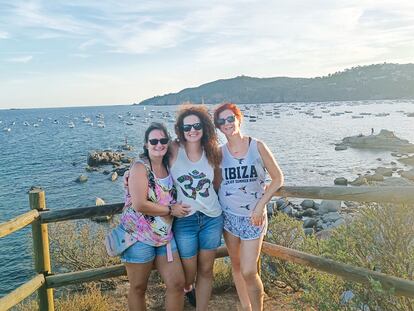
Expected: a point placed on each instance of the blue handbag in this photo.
(118, 240)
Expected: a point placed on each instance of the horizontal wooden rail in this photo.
(18, 223)
(64, 279)
(402, 287)
(80, 212)
(359, 194)
(22, 292)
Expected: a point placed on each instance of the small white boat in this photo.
(25, 123)
(35, 125)
(71, 125)
(100, 124)
(7, 129)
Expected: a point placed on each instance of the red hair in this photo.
(227, 106)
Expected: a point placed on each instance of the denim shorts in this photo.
(142, 253)
(241, 226)
(197, 232)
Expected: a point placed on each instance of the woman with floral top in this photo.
(150, 204)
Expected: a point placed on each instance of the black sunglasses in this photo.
(229, 119)
(197, 126)
(155, 141)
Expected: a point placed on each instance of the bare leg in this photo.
(204, 278)
(249, 255)
(173, 277)
(233, 247)
(138, 274)
(190, 270)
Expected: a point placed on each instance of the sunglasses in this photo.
(229, 119)
(155, 141)
(196, 126)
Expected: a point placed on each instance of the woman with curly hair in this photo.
(194, 157)
(243, 196)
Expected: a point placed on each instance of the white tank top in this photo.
(194, 182)
(243, 181)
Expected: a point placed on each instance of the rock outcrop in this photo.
(384, 140)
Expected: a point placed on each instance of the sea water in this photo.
(51, 154)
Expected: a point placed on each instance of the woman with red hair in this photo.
(243, 197)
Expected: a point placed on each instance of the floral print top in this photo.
(151, 230)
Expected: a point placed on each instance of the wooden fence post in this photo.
(41, 249)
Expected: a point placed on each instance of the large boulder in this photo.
(307, 204)
(341, 181)
(374, 177)
(407, 160)
(408, 174)
(384, 171)
(81, 179)
(328, 206)
(384, 140)
(359, 181)
(309, 223)
(96, 158)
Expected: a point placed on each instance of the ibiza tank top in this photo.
(243, 181)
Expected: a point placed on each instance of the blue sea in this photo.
(51, 154)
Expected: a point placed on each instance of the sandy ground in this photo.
(222, 300)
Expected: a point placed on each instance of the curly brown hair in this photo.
(230, 106)
(209, 140)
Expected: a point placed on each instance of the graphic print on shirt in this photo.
(190, 190)
(241, 174)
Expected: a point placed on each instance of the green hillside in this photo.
(379, 81)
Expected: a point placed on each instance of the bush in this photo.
(381, 239)
(76, 246)
(91, 299)
(222, 274)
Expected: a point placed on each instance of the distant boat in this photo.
(129, 123)
(25, 123)
(100, 124)
(55, 122)
(35, 125)
(7, 129)
(71, 125)
(382, 114)
(357, 117)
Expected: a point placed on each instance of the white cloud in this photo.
(4, 35)
(20, 59)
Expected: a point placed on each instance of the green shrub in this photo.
(381, 238)
(91, 299)
(76, 246)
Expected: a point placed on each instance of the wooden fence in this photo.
(45, 280)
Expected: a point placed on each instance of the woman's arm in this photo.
(217, 179)
(174, 151)
(138, 189)
(277, 181)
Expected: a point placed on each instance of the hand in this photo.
(180, 209)
(258, 216)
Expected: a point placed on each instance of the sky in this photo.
(86, 53)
